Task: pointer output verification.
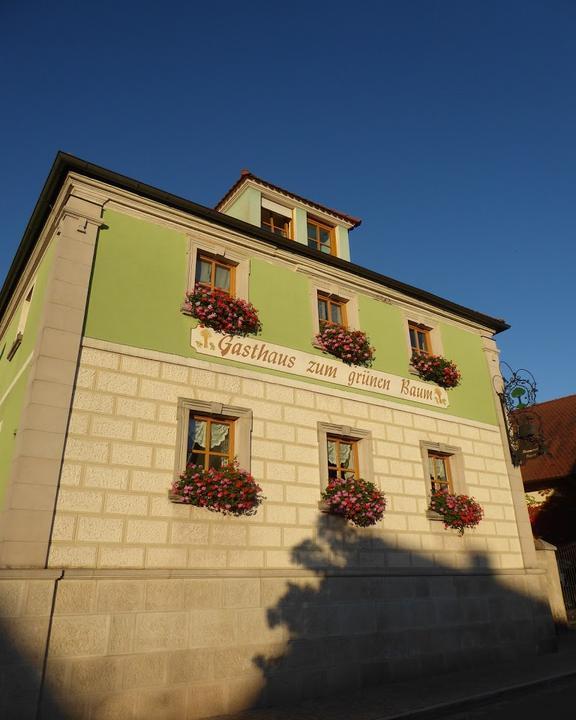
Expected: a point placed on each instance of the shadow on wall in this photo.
(361, 622)
(22, 646)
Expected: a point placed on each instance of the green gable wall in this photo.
(247, 206)
(138, 285)
(14, 374)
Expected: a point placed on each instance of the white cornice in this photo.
(113, 198)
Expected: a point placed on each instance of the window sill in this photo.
(434, 516)
(15, 345)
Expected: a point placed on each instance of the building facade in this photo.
(116, 599)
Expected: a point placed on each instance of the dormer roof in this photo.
(246, 178)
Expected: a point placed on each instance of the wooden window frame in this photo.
(344, 440)
(446, 460)
(215, 261)
(455, 468)
(363, 446)
(210, 420)
(425, 330)
(320, 225)
(331, 299)
(271, 228)
(241, 437)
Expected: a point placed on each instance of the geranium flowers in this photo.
(457, 511)
(356, 500)
(351, 346)
(437, 369)
(227, 489)
(220, 311)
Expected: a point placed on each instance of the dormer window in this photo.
(276, 218)
(320, 236)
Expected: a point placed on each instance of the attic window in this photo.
(320, 236)
(276, 218)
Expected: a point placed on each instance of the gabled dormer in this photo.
(272, 208)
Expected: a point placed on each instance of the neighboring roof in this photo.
(246, 175)
(64, 163)
(559, 429)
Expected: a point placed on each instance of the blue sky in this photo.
(448, 127)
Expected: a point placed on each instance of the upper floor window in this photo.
(276, 218)
(342, 457)
(331, 310)
(215, 274)
(419, 338)
(321, 237)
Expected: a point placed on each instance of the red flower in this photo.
(436, 369)
(357, 500)
(228, 489)
(220, 311)
(351, 346)
(457, 511)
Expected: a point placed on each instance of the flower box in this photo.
(356, 500)
(228, 489)
(350, 346)
(457, 511)
(436, 368)
(220, 311)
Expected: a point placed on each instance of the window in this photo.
(344, 452)
(211, 434)
(331, 310)
(443, 467)
(21, 324)
(215, 273)
(419, 338)
(342, 457)
(320, 237)
(276, 223)
(439, 472)
(276, 218)
(210, 440)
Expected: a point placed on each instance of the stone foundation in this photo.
(142, 645)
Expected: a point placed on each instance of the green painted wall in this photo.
(342, 242)
(13, 374)
(247, 206)
(300, 228)
(139, 280)
(138, 284)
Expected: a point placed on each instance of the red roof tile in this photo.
(247, 175)
(559, 429)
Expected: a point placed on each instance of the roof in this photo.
(65, 163)
(559, 429)
(246, 175)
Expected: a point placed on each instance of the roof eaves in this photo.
(65, 163)
(245, 176)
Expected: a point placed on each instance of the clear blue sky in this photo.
(448, 127)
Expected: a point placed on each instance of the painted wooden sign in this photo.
(252, 351)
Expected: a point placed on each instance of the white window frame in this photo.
(242, 429)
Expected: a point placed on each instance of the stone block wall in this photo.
(145, 644)
(113, 510)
